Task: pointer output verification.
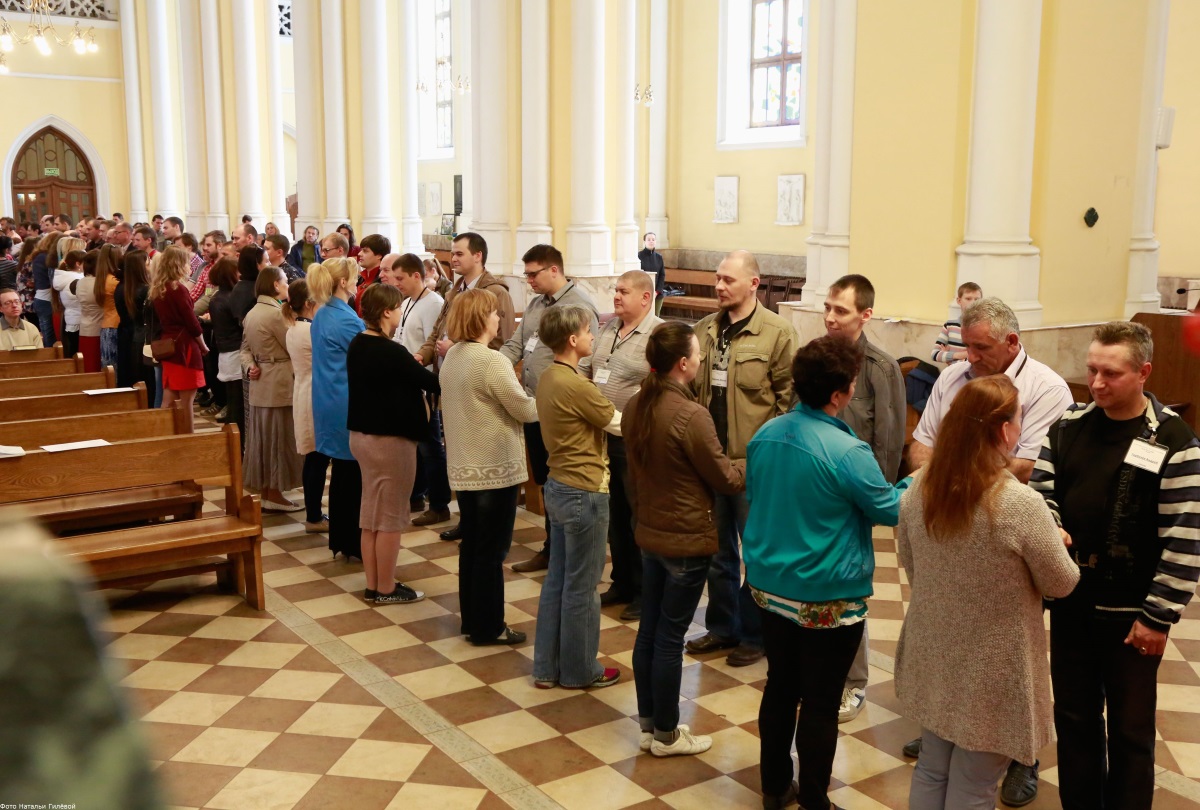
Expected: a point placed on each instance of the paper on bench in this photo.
(93, 391)
(7, 451)
(58, 448)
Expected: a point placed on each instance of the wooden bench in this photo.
(113, 427)
(59, 384)
(700, 288)
(42, 368)
(78, 404)
(229, 544)
(55, 352)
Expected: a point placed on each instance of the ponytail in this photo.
(296, 300)
(669, 342)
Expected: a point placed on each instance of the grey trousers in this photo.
(857, 677)
(951, 778)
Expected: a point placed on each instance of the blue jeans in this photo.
(45, 316)
(731, 613)
(431, 467)
(568, 621)
(671, 588)
(156, 395)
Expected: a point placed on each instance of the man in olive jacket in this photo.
(745, 379)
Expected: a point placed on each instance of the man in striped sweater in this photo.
(1121, 476)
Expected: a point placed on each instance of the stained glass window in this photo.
(776, 78)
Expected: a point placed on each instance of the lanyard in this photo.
(411, 307)
(1022, 367)
(619, 341)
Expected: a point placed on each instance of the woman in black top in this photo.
(387, 416)
(227, 340)
(130, 300)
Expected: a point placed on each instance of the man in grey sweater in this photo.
(548, 282)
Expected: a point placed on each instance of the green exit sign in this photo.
(52, 172)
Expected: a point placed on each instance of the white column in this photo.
(489, 132)
(535, 140)
(589, 239)
(245, 93)
(378, 216)
(656, 169)
(813, 294)
(306, 47)
(163, 100)
(464, 126)
(277, 206)
(410, 222)
(833, 252)
(626, 226)
(214, 116)
(133, 115)
(193, 125)
(333, 111)
(1142, 290)
(997, 251)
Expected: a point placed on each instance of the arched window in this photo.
(776, 59)
(52, 176)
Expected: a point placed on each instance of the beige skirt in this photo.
(389, 467)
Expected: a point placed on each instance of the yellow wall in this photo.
(693, 157)
(1179, 165)
(30, 99)
(911, 136)
(1085, 155)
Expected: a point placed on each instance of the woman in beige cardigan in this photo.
(271, 462)
(484, 406)
(980, 550)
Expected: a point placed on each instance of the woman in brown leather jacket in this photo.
(675, 462)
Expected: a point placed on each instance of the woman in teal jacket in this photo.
(815, 490)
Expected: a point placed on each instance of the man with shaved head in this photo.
(745, 379)
(618, 365)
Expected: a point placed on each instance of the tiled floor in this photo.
(326, 702)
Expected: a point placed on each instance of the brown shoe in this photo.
(538, 562)
(431, 517)
(744, 656)
(708, 643)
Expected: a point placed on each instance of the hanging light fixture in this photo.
(645, 97)
(40, 31)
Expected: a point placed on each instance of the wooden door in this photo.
(52, 176)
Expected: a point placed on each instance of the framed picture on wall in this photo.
(447, 225)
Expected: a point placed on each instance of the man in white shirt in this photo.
(418, 323)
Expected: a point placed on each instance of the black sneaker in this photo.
(402, 594)
(509, 636)
(1020, 785)
(370, 595)
(780, 802)
(912, 748)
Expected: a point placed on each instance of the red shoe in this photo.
(610, 676)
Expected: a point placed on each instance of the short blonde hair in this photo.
(469, 313)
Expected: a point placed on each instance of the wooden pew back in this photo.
(1175, 379)
(60, 384)
(29, 355)
(42, 368)
(78, 404)
(113, 427)
(135, 463)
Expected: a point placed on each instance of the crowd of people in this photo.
(691, 453)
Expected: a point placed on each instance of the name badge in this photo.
(720, 379)
(531, 344)
(1146, 456)
(600, 376)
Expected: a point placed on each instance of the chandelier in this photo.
(461, 85)
(645, 97)
(39, 30)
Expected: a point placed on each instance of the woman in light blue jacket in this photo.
(332, 284)
(815, 490)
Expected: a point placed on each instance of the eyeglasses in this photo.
(535, 273)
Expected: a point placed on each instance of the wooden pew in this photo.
(60, 384)
(42, 368)
(701, 289)
(113, 427)
(78, 404)
(55, 352)
(229, 544)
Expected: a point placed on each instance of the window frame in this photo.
(434, 101)
(734, 77)
(784, 60)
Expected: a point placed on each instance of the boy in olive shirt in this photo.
(573, 415)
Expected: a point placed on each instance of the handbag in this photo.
(162, 349)
(151, 355)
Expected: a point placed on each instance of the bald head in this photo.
(737, 283)
(741, 261)
(388, 261)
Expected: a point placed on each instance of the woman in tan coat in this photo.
(675, 463)
(980, 550)
(271, 461)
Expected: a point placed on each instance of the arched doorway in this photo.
(51, 175)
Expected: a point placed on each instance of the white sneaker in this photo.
(852, 703)
(648, 737)
(685, 745)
